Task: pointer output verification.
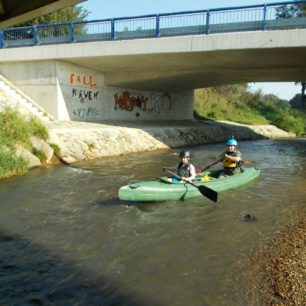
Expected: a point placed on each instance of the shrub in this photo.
(10, 164)
(56, 148)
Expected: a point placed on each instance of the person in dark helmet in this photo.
(185, 169)
(231, 158)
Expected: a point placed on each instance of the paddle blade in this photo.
(208, 193)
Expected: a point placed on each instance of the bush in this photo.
(56, 148)
(10, 164)
(291, 124)
(235, 103)
(15, 129)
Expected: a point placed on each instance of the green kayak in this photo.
(164, 190)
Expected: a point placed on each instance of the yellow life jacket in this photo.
(227, 163)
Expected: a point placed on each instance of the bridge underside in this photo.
(15, 11)
(182, 63)
(183, 71)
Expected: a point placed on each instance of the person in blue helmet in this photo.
(231, 158)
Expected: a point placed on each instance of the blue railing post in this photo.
(264, 19)
(72, 38)
(157, 30)
(35, 36)
(113, 29)
(207, 22)
(1, 39)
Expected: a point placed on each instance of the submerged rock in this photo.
(248, 218)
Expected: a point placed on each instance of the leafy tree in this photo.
(73, 13)
(291, 11)
(294, 11)
(303, 96)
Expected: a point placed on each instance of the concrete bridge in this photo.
(141, 72)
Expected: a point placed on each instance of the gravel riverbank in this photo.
(279, 267)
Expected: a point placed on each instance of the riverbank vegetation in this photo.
(16, 130)
(236, 103)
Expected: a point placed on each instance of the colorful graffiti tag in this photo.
(82, 79)
(127, 102)
(156, 103)
(84, 91)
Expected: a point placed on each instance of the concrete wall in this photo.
(35, 79)
(71, 92)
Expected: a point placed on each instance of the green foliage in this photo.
(56, 149)
(15, 129)
(236, 103)
(10, 164)
(37, 129)
(72, 13)
(290, 123)
(296, 102)
(39, 154)
(291, 11)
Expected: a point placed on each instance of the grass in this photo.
(235, 103)
(10, 164)
(15, 129)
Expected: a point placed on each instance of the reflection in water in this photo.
(66, 239)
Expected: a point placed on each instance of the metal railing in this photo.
(265, 17)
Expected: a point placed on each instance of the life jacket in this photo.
(183, 170)
(227, 163)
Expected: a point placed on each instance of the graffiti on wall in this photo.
(161, 103)
(156, 103)
(86, 113)
(84, 92)
(128, 102)
(82, 79)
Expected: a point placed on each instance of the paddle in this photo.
(205, 191)
(215, 162)
(243, 161)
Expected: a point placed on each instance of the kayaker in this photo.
(231, 158)
(185, 169)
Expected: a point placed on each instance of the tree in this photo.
(303, 96)
(72, 13)
(291, 11)
(294, 11)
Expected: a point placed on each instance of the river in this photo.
(66, 239)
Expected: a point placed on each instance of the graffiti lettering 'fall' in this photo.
(82, 79)
(128, 103)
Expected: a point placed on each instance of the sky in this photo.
(103, 9)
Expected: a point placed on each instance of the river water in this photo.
(66, 239)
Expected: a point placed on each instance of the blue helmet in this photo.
(231, 142)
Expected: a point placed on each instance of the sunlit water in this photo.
(66, 238)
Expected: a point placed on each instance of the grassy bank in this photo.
(16, 130)
(236, 103)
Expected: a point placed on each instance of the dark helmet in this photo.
(184, 153)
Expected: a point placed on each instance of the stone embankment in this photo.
(83, 141)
